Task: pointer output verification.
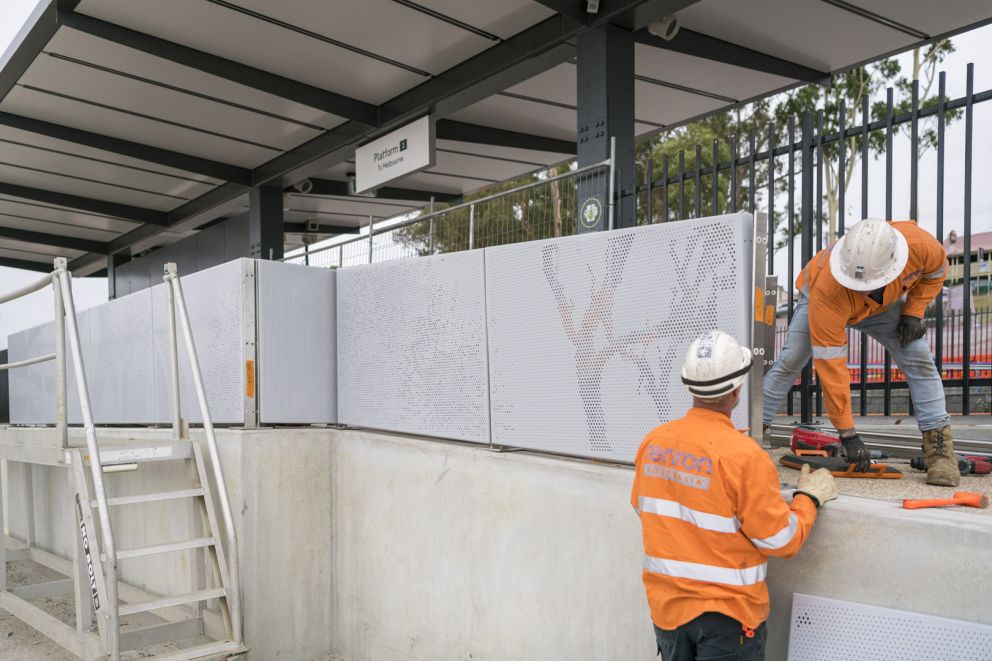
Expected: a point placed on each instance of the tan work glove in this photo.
(818, 485)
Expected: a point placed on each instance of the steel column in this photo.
(605, 87)
(265, 223)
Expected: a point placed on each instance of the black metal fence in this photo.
(959, 339)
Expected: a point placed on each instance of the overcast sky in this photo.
(971, 47)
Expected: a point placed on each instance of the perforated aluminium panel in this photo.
(587, 334)
(214, 300)
(412, 346)
(118, 356)
(846, 631)
(32, 388)
(297, 375)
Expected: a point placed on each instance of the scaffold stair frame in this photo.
(210, 614)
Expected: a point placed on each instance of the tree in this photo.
(852, 88)
(722, 128)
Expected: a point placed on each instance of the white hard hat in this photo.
(871, 255)
(715, 365)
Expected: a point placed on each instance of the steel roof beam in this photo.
(522, 56)
(330, 187)
(58, 240)
(158, 156)
(263, 81)
(26, 265)
(301, 228)
(706, 47)
(25, 52)
(631, 16)
(447, 129)
(122, 211)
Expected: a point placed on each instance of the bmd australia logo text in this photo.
(383, 159)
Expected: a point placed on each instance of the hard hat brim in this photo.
(890, 274)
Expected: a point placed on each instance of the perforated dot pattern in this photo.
(847, 631)
(587, 334)
(412, 346)
(297, 375)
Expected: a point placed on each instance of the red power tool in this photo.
(805, 437)
(968, 464)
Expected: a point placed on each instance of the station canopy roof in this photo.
(126, 125)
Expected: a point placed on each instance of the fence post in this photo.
(471, 227)
(806, 204)
(370, 237)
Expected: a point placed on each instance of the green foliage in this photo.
(544, 211)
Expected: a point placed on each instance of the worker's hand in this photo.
(819, 485)
(856, 453)
(909, 330)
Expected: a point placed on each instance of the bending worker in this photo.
(711, 510)
(877, 278)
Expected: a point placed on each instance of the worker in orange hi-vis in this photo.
(877, 278)
(711, 511)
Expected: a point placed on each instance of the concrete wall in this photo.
(379, 547)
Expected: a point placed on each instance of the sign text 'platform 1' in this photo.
(404, 151)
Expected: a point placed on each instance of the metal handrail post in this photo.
(61, 410)
(170, 269)
(613, 179)
(96, 469)
(208, 430)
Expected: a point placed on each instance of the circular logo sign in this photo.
(592, 211)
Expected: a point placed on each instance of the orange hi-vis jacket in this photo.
(833, 307)
(711, 510)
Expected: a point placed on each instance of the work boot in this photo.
(942, 466)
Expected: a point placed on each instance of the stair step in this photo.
(137, 454)
(152, 497)
(163, 548)
(203, 652)
(169, 602)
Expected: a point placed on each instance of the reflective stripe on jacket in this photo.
(711, 511)
(833, 307)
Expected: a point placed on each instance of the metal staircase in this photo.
(204, 623)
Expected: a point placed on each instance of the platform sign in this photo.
(404, 151)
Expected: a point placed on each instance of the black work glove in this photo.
(909, 330)
(857, 453)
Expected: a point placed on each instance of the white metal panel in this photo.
(504, 18)
(159, 187)
(44, 142)
(528, 155)
(65, 174)
(808, 32)
(214, 29)
(587, 334)
(383, 27)
(471, 165)
(558, 84)
(505, 112)
(297, 351)
(138, 96)
(36, 250)
(358, 207)
(664, 105)
(32, 388)
(36, 210)
(412, 346)
(706, 75)
(921, 15)
(119, 360)
(76, 114)
(838, 630)
(214, 301)
(35, 225)
(114, 56)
